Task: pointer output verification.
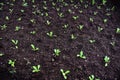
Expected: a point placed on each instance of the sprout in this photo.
(12, 63)
(64, 73)
(106, 60)
(118, 30)
(34, 48)
(57, 52)
(81, 55)
(36, 69)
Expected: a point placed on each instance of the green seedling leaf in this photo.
(12, 63)
(64, 73)
(34, 48)
(81, 55)
(36, 69)
(57, 52)
(106, 60)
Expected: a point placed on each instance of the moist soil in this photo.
(80, 69)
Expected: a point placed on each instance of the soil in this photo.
(80, 69)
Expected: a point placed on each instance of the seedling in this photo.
(91, 19)
(15, 42)
(73, 37)
(33, 32)
(34, 48)
(104, 1)
(11, 63)
(65, 26)
(118, 30)
(75, 17)
(7, 18)
(1, 54)
(106, 60)
(100, 29)
(81, 11)
(92, 41)
(81, 55)
(3, 27)
(80, 27)
(81, 1)
(36, 69)
(17, 28)
(57, 52)
(61, 15)
(93, 2)
(24, 4)
(105, 20)
(50, 34)
(65, 73)
(92, 77)
(112, 43)
(48, 22)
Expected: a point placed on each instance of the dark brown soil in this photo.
(80, 69)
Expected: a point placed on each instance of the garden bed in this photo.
(57, 40)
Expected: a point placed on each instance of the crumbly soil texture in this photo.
(30, 22)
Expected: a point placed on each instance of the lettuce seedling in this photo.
(3, 27)
(36, 69)
(106, 60)
(104, 1)
(1, 54)
(15, 42)
(93, 2)
(80, 27)
(100, 29)
(92, 77)
(17, 28)
(118, 30)
(34, 48)
(92, 41)
(12, 63)
(57, 52)
(73, 36)
(75, 17)
(64, 73)
(81, 55)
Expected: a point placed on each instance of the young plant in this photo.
(33, 32)
(15, 42)
(80, 27)
(3, 27)
(7, 18)
(91, 19)
(34, 48)
(93, 2)
(1, 54)
(112, 43)
(17, 28)
(36, 69)
(11, 63)
(65, 73)
(65, 26)
(118, 30)
(92, 41)
(75, 17)
(48, 22)
(106, 60)
(105, 20)
(92, 77)
(57, 52)
(81, 55)
(100, 29)
(104, 2)
(73, 37)
(50, 34)
(60, 15)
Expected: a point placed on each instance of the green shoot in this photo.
(65, 26)
(75, 17)
(15, 42)
(34, 48)
(105, 20)
(91, 19)
(100, 29)
(73, 36)
(92, 41)
(3, 27)
(93, 2)
(118, 30)
(36, 69)
(57, 52)
(12, 63)
(17, 28)
(48, 22)
(81, 55)
(50, 34)
(80, 27)
(33, 32)
(7, 18)
(106, 60)
(65, 73)
(92, 77)
(104, 2)
(1, 54)
(112, 43)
